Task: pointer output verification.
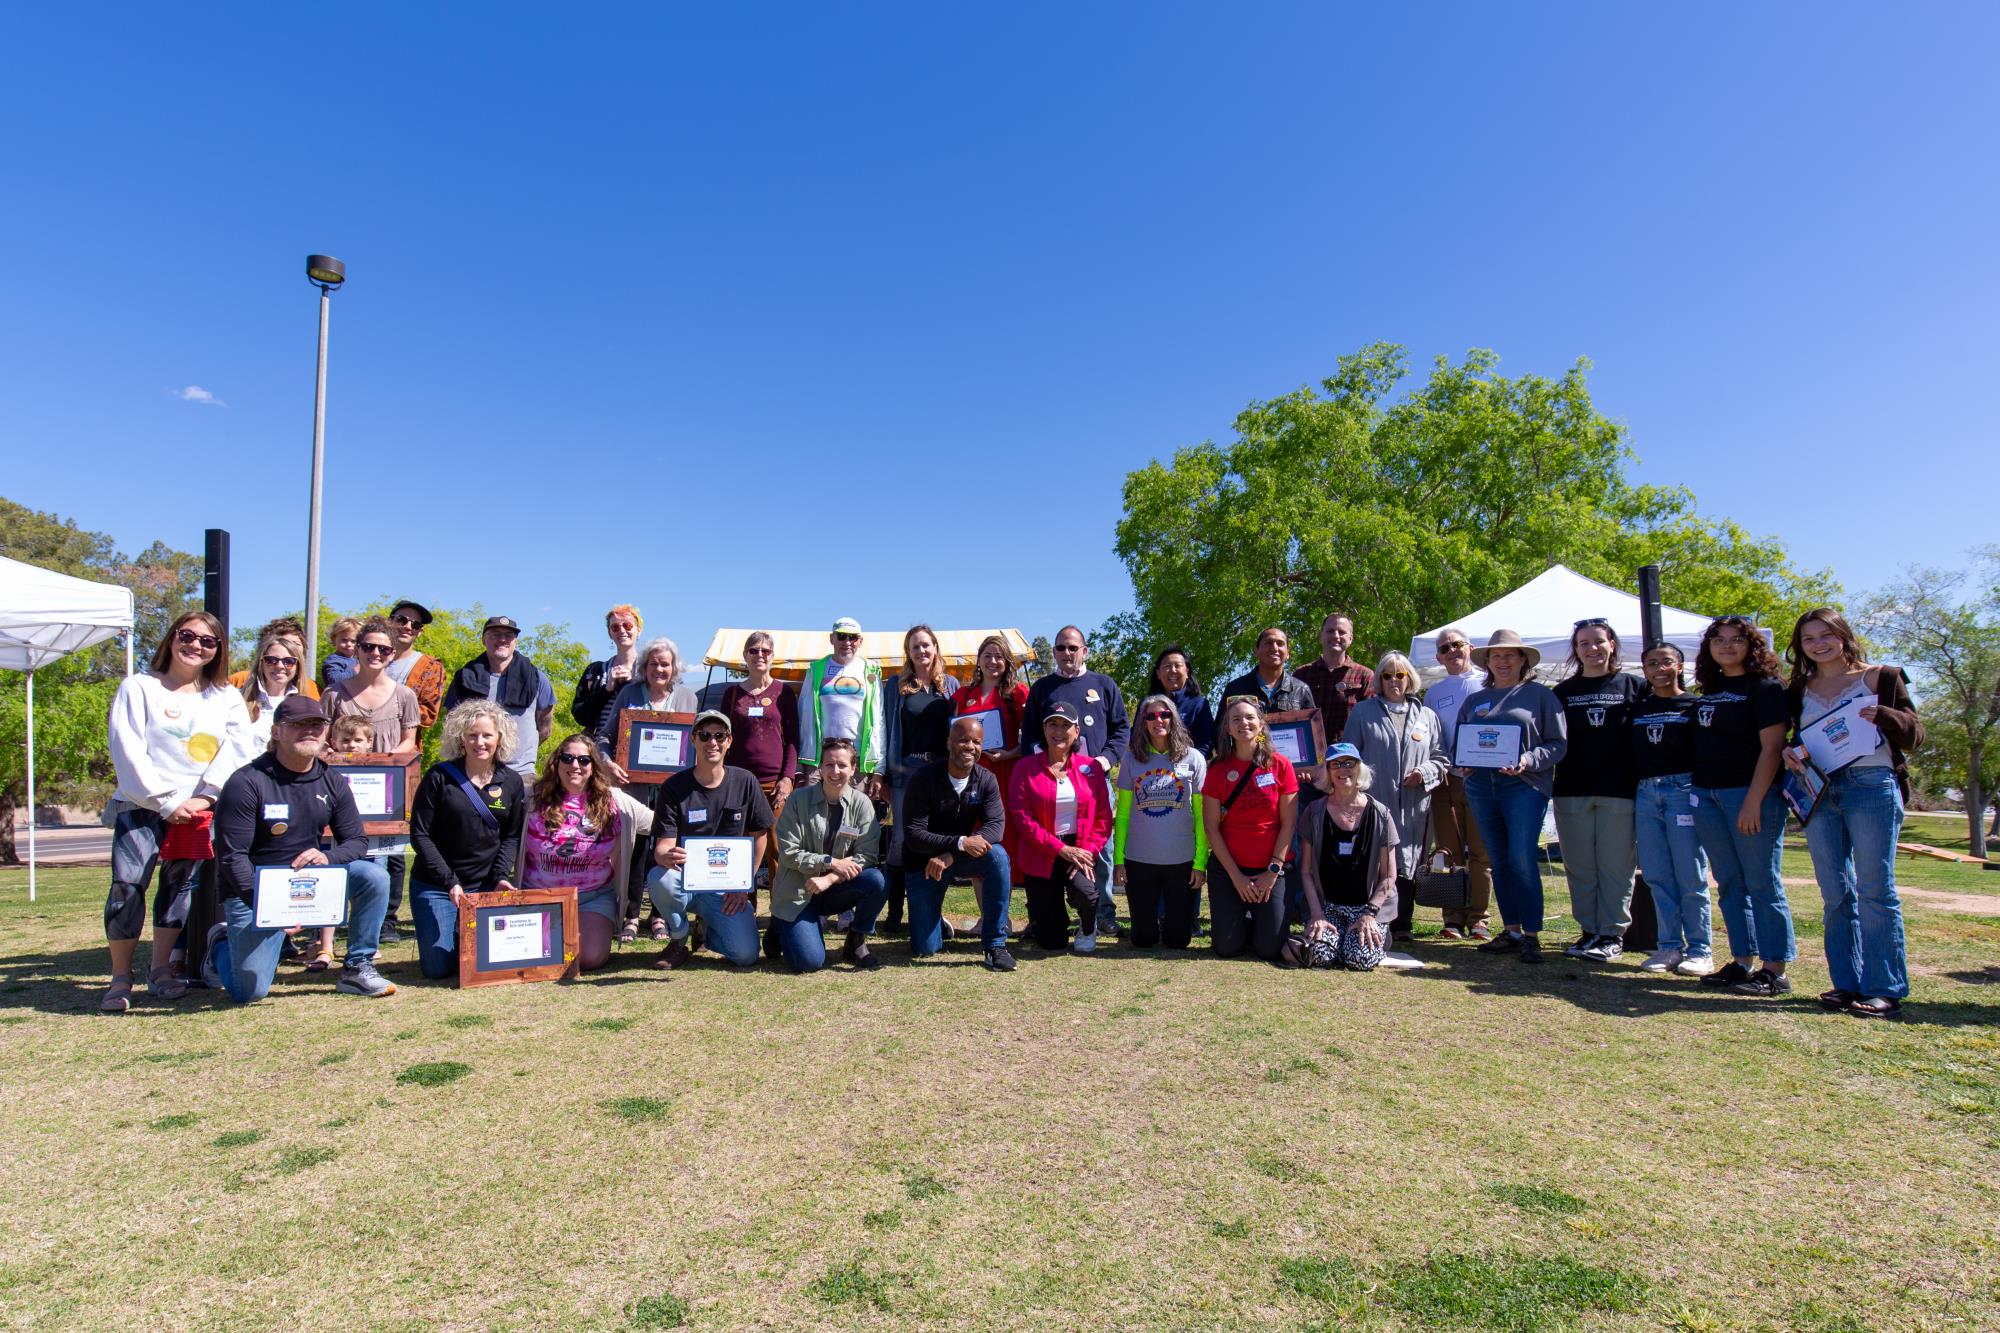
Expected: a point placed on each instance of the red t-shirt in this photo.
(1250, 828)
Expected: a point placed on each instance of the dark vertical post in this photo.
(1643, 934)
(1649, 605)
(204, 898)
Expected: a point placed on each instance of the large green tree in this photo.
(1405, 506)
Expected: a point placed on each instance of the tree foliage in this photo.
(1407, 511)
(1943, 626)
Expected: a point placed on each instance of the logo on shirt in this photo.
(1654, 731)
(1158, 794)
(1596, 716)
(1705, 714)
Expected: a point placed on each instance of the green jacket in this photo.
(802, 840)
(868, 742)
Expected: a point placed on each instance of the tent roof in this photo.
(1544, 611)
(795, 650)
(45, 615)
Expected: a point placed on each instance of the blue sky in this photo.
(722, 310)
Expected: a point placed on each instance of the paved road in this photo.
(76, 845)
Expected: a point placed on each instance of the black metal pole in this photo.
(204, 899)
(1649, 606)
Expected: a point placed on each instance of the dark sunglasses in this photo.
(1345, 763)
(271, 661)
(847, 638)
(1069, 647)
(577, 760)
(370, 648)
(1594, 620)
(411, 621)
(189, 636)
(712, 737)
(1458, 646)
(765, 651)
(1159, 717)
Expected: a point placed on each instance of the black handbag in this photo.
(1438, 888)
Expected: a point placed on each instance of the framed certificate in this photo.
(718, 865)
(315, 896)
(520, 935)
(383, 787)
(994, 737)
(1482, 744)
(653, 746)
(1841, 737)
(1300, 736)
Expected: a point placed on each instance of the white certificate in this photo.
(1487, 744)
(1287, 740)
(314, 896)
(660, 746)
(516, 937)
(718, 865)
(1841, 737)
(371, 793)
(994, 737)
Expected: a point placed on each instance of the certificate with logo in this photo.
(1841, 737)
(314, 896)
(994, 737)
(517, 935)
(654, 745)
(718, 865)
(1483, 744)
(383, 785)
(1299, 735)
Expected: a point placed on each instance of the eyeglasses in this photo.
(578, 760)
(712, 737)
(1394, 675)
(1729, 640)
(1458, 646)
(764, 651)
(1069, 647)
(400, 619)
(370, 648)
(1159, 717)
(1345, 763)
(189, 636)
(271, 660)
(1593, 620)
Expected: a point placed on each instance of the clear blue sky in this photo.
(720, 309)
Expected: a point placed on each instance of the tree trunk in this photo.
(8, 856)
(1975, 802)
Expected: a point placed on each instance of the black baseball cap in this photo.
(1062, 709)
(423, 612)
(500, 622)
(298, 708)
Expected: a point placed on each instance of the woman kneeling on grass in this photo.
(1249, 807)
(1347, 854)
(580, 833)
(829, 863)
(465, 826)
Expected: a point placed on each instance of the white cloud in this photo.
(194, 393)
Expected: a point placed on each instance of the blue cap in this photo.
(1342, 750)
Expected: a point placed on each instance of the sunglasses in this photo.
(712, 737)
(189, 636)
(1069, 647)
(576, 760)
(1457, 647)
(1394, 675)
(762, 652)
(1159, 717)
(271, 661)
(1345, 763)
(370, 648)
(847, 638)
(401, 619)
(1593, 620)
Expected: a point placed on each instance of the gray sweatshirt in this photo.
(1544, 730)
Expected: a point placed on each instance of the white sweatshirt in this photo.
(169, 748)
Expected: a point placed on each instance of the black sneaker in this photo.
(1764, 983)
(392, 933)
(1729, 974)
(1531, 949)
(999, 960)
(773, 949)
(1576, 947)
(1505, 942)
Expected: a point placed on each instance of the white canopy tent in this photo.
(1545, 609)
(45, 616)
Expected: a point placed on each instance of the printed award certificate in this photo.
(994, 735)
(662, 746)
(1483, 744)
(718, 865)
(1290, 741)
(1841, 737)
(314, 896)
(517, 937)
(371, 793)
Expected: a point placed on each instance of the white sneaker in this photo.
(1662, 961)
(1697, 965)
(1085, 943)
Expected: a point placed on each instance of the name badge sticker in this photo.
(1683, 821)
(277, 810)
(754, 710)
(1267, 779)
(697, 814)
(1347, 848)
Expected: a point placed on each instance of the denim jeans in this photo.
(1107, 906)
(1852, 839)
(732, 936)
(1509, 814)
(247, 958)
(1675, 867)
(802, 939)
(996, 883)
(1747, 868)
(435, 922)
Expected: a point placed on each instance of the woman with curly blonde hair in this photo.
(465, 827)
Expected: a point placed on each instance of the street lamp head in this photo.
(325, 270)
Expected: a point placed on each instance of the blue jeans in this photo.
(734, 937)
(435, 922)
(1852, 839)
(802, 939)
(1747, 869)
(996, 884)
(1675, 867)
(1509, 814)
(1107, 906)
(247, 957)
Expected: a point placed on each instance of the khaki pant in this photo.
(1458, 838)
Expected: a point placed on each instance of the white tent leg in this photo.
(128, 652)
(31, 786)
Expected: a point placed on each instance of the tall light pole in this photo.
(326, 273)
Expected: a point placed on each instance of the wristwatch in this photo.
(1276, 867)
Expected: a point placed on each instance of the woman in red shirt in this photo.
(1061, 809)
(994, 689)
(1249, 807)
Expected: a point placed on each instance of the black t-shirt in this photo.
(1726, 723)
(734, 808)
(1599, 760)
(1347, 861)
(926, 722)
(1662, 736)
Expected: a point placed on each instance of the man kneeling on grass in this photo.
(829, 862)
(270, 813)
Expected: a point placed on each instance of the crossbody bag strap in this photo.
(471, 792)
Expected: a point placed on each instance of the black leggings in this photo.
(1235, 925)
(1048, 921)
(1147, 887)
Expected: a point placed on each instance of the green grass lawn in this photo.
(1121, 1141)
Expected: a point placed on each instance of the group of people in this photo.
(866, 795)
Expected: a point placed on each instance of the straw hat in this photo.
(1507, 638)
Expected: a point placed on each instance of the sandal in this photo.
(1875, 1006)
(1837, 1000)
(659, 927)
(118, 998)
(163, 983)
(629, 932)
(321, 961)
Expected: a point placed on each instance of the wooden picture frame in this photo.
(631, 722)
(402, 775)
(1307, 726)
(555, 951)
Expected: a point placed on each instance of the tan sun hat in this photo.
(1507, 638)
